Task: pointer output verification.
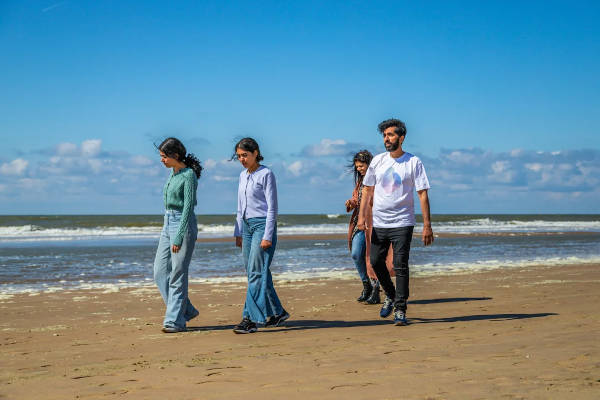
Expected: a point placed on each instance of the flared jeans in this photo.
(261, 299)
(171, 270)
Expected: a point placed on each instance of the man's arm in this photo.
(427, 231)
(365, 203)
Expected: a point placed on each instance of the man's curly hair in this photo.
(399, 125)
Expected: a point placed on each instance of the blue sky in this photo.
(501, 100)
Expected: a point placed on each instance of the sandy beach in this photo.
(505, 334)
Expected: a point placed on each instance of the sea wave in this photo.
(489, 225)
(37, 233)
(488, 265)
(32, 232)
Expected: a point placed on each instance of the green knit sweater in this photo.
(180, 195)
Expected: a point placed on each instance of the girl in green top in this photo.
(178, 236)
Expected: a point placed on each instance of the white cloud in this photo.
(331, 147)
(141, 161)
(516, 152)
(295, 168)
(556, 171)
(89, 172)
(96, 165)
(535, 167)
(91, 147)
(66, 149)
(210, 163)
(220, 178)
(15, 167)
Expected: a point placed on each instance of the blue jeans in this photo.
(261, 299)
(171, 270)
(359, 248)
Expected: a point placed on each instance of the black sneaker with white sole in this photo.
(246, 326)
(277, 320)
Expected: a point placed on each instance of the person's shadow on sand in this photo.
(448, 300)
(304, 324)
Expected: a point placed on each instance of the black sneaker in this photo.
(173, 329)
(246, 326)
(277, 320)
(366, 293)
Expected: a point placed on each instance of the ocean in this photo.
(65, 252)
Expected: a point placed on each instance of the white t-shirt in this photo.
(394, 180)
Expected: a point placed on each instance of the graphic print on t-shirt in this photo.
(391, 180)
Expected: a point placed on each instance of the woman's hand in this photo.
(238, 241)
(350, 204)
(265, 244)
(175, 248)
(360, 224)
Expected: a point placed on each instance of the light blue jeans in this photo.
(359, 248)
(171, 270)
(261, 299)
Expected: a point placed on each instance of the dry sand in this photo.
(510, 334)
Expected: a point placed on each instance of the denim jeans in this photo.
(358, 251)
(261, 298)
(171, 270)
(400, 239)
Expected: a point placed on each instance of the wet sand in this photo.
(507, 334)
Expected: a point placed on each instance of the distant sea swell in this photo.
(55, 228)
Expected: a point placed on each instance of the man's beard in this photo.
(392, 146)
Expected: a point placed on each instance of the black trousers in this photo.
(400, 239)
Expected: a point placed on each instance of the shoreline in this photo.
(517, 333)
(346, 275)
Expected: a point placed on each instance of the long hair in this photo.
(247, 144)
(363, 156)
(173, 148)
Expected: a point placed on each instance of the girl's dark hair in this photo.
(173, 148)
(247, 144)
(364, 156)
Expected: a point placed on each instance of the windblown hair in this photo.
(173, 148)
(399, 125)
(247, 144)
(362, 156)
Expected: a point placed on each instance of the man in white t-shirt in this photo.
(389, 184)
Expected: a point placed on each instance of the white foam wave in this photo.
(480, 266)
(488, 225)
(472, 226)
(35, 233)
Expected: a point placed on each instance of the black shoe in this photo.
(173, 329)
(246, 326)
(277, 320)
(366, 293)
(374, 297)
(192, 315)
